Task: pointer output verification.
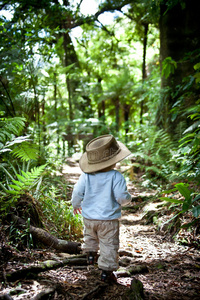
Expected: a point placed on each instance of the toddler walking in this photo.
(99, 195)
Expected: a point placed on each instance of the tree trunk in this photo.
(126, 108)
(144, 73)
(50, 240)
(56, 113)
(34, 82)
(44, 129)
(70, 58)
(101, 105)
(117, 113)
(4, 95)
(180, 40)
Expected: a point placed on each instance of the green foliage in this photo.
(153, 149)
(19, 146)
(26, 151)
(190, 202)
(168, 67)
(197, 75)
(57, 210)
(26, 181)
(188, 154)
(59, 214)
(19, 238)
(10, 127)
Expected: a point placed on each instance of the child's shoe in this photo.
(91, 258)
(108, 276)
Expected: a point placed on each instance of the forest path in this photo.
(166, 269)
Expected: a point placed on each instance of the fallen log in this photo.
(133, 269)
(50, 240)
(46, 294)
(33, 271)
(137, 269)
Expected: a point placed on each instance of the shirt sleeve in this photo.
(121, 194)
(78, 192)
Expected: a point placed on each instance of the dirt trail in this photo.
(171, 271)
(167, 270)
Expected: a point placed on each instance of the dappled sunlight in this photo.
(144, 241)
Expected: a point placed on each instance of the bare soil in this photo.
(166, 269)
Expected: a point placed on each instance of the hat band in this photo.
(93, 156)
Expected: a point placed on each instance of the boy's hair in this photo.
(108, 168)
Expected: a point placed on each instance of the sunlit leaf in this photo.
(171, 200)
(196, 211)
(183, 190)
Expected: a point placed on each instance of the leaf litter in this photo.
(166, 269)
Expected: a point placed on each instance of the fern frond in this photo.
(18, 183)
(15, 187)
(25, 174)
(22, 178)
(26, 151)
(34, 174)
(12, 192)
(11, 126)
(26, 181)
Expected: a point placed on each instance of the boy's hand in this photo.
(77, 211)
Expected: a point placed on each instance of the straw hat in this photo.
(102, 152)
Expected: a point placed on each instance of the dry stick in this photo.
(5, 297)
(69, 294)
(44, 293)
(95, 291)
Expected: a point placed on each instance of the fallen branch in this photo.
(133, 269)
(45, 294)
(5, 297)
(96, 291)
(33, 271)
(50, 240)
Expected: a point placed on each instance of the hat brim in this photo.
(91, 168)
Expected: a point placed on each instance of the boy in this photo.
(98, 195)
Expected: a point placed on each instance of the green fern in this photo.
(154, 151)
(189, 147)
(10, 127)
(19, 146)
(26, 181)
(26, 151)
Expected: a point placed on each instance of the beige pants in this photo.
(103, 235)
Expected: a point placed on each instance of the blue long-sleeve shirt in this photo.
(101, 195)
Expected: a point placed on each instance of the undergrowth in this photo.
(152, 151)
(24, 180)
(56, 207)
